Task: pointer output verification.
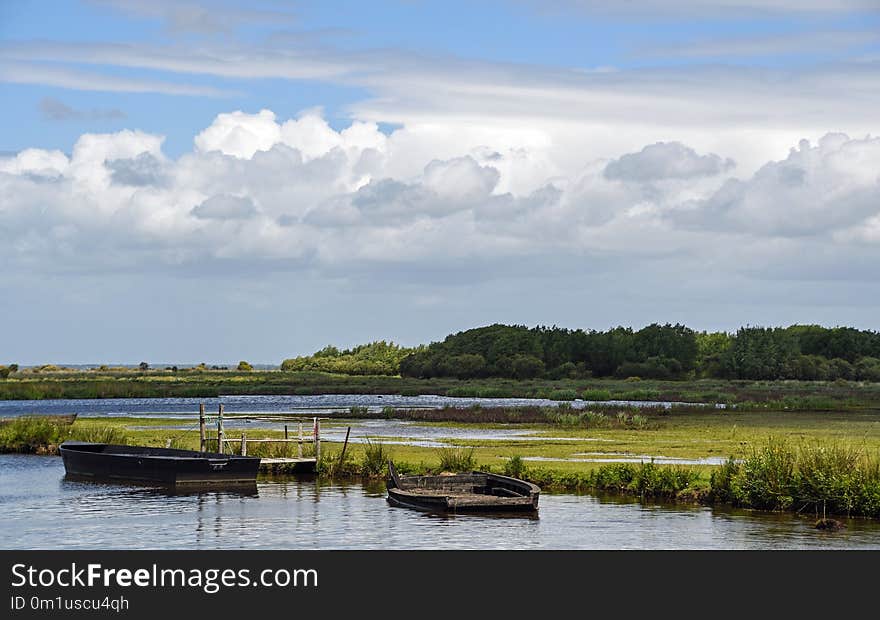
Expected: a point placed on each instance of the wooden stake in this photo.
(203, 435)
(299, 445)
(344, 446)
(220, 446)
(316, 432)
(243, 443)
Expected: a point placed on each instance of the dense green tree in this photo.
(671, 342)
(868, 369)
(375, 358)
(761, 353)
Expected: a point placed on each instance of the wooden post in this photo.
(203, 435)
(316, 432)
(299, 445)
(243, 443)
(344, 446)
(285, 431)
(220, 445)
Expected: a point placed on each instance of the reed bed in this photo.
(835, 479)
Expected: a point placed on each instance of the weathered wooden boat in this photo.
(163, 466)
(476, 492)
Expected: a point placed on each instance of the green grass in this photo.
(781, 395)
(835, 479)
(813, 461)
(31, 435)
(375, 459)
(456, 459)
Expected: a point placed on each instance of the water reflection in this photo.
(39, 508)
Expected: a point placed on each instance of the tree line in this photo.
(804, 352)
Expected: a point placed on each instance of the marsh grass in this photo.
(563, 395)
(30, 435)
(835, 478)
(515, 467)
(646, 480)
(457, 459)
(332, 466)
(103, 433)
(375, 459)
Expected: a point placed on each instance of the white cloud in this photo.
(816, 190)
(66, 77)
(666, 160)
(240, 134)
(36, 161)
(299, 195)
(225, 207)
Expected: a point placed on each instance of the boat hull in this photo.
(476, 492)
(162, 466)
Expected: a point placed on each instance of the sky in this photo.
(185, 182)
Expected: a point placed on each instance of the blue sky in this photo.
(435, 160)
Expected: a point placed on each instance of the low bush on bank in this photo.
(457, 459)
(829, 479)
(515, 467)
(646, 480)
(376, 457)
(31, 435)
(99, 434)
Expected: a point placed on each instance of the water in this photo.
(39, 508)
(323, 404)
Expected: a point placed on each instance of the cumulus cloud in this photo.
(666, 160)
(37, 162)
(145, 169)
(297, 194)
(817, 189)
(225, 207)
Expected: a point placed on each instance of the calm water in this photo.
(39, 508)
(324, 404)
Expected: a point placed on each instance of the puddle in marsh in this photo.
(399, 432)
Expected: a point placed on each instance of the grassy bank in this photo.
(564, 415)
(777, 395)
(812, 462)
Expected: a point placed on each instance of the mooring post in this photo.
(317, 434)
(344, 446)
(243, 443)
(203, 435)
(220, 429)
(299, 444)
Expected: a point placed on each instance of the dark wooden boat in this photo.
(165, 466)
(476, 492)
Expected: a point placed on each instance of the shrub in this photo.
(563, 395)
(457, 459)
(376, 458)
(594, 394)
(28, 434)
(99, 434)
(515, 467)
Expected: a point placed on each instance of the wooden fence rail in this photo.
(222, 438)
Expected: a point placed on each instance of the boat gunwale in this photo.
(445, 500)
